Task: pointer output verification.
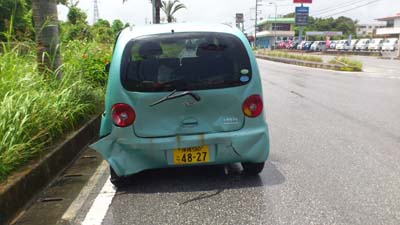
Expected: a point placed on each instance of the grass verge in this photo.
(37, 109)
(281, 54)
(347, 64)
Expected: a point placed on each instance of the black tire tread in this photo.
(253, 168)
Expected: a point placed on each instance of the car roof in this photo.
(152, 29)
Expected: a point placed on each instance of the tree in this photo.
(170, 8)
(75, 14)
(76, 28)
(102, 31)
(46, 34)
(344, 24)
(117, 26)
(157, 7)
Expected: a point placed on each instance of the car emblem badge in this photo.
(189, 103)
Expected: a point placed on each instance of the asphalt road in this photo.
(335, 153)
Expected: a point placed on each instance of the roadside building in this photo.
(271, 30)
(392, 28)
(364, 30)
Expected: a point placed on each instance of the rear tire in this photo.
(116, 180)
(253, 168)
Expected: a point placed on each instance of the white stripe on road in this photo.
(77, 204)
(100, 205)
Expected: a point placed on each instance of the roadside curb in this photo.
(22, 186)
(301, 62)
(351, 53)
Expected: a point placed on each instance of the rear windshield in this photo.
(185, 61)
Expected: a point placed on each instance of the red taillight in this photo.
(122, 115)
(252, 106)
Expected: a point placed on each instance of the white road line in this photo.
(100, 205)
(77, 204)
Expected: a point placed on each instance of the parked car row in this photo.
(376, 44)
(309, 45)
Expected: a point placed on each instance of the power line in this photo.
(368, 3)
(337, 6)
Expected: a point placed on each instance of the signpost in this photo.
(302, 16)
(240, 21)
(301, 19)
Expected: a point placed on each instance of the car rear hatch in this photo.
(186, 83)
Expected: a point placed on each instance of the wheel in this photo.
(253, 168)
(116, 180)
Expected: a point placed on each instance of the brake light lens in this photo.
(252, 106)
(122, 115)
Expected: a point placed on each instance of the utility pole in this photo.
(96, 14)
(276, 9)
(255, 25)
(255, 22)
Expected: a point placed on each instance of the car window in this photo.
(185, 61)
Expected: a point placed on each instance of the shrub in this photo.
(36, 110)
(347, 64)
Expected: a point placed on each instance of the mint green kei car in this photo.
(182, 95)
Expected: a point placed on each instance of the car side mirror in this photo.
(107, 68)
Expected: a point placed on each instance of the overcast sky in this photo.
(223, 11)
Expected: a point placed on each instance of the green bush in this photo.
(347, 64)
(37, 110)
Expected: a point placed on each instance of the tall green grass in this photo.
(37, 110)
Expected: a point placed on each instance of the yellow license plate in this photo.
(191, 155)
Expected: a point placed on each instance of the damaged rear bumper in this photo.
(128, 154)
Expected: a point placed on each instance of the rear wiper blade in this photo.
(173, 96)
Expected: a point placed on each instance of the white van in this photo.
(362, 45)
(390, 44)
(352, 45)
(341, 45)
(375, 44)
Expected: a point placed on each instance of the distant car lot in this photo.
(364, 44)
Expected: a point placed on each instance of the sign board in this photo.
(324, 33)
(302, 1)
(301, 16)
(239, 18)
